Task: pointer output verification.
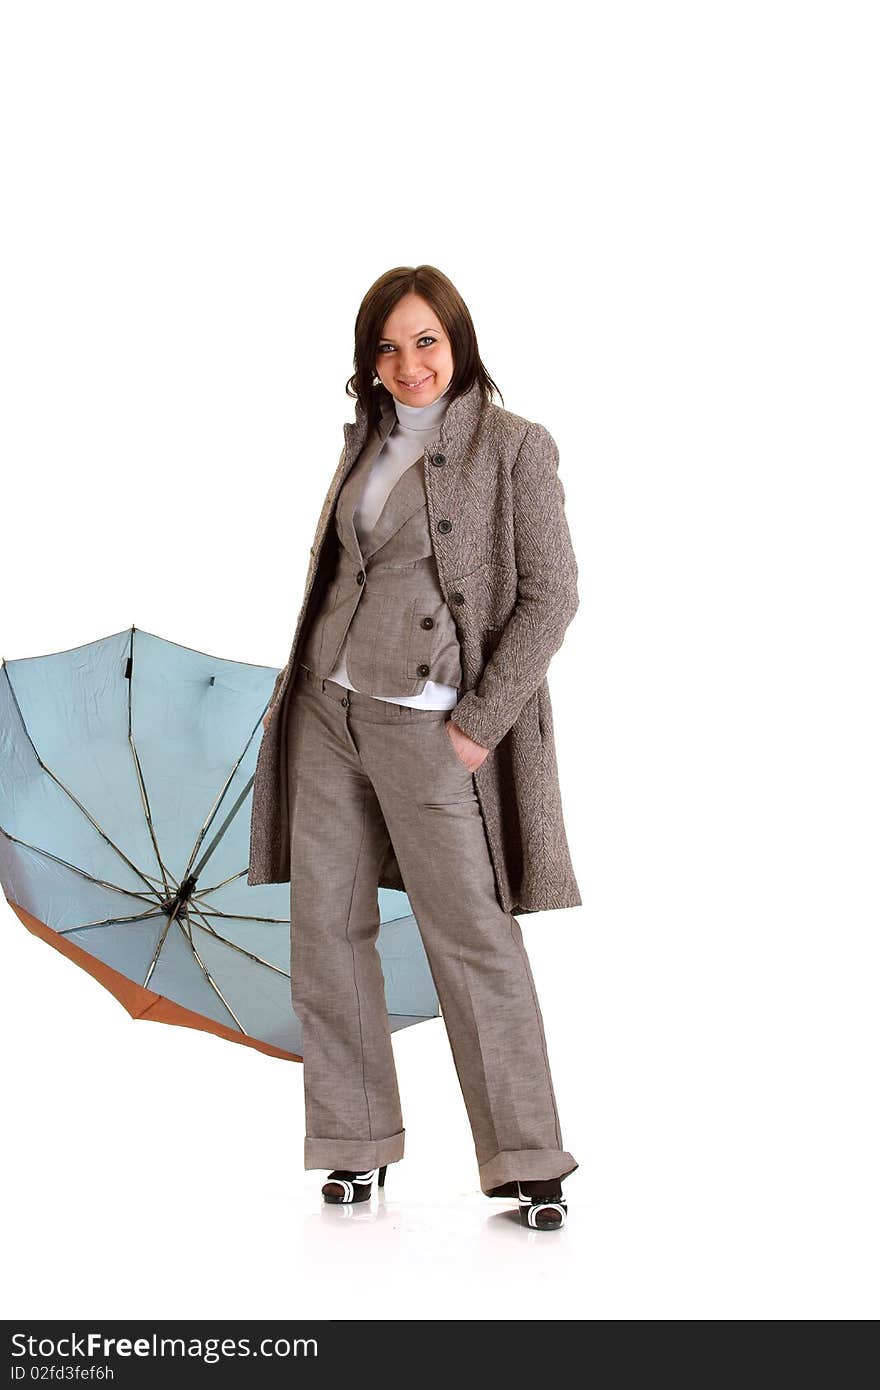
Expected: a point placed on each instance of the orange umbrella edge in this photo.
(141, 1003)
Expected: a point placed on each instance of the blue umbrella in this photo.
(126, 769)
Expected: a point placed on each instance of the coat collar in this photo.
(457, 427)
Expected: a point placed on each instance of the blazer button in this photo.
(444, 526)
(457, 597)
(438, 460)
(360, 576)
(427, 622)
(423, 669)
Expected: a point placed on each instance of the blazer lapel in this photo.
(350, 495)
(359, 454)
(405, 498)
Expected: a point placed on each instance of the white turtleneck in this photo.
(414, 430)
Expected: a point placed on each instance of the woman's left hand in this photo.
(467, 751)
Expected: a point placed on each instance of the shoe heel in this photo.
(382, 1172)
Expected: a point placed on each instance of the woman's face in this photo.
(414, 358)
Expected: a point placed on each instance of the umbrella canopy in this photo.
(126, 769)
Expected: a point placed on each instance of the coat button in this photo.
(444, 526)
(427, 622)
(457, 597)
(360, 576)
(344, 700)
(438, 460)
(423, 669)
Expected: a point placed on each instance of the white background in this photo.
(665, 225)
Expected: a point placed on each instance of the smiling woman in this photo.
(440, 583)
(414, 364)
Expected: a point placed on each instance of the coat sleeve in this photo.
(547, 595)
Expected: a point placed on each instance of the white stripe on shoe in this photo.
(533, 1205)
(348, 1184)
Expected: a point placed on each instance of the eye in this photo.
(428, 338)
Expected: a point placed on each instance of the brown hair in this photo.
(447, 303)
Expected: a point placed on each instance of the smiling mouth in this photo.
(417, 385)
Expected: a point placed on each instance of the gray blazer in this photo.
(507, 569)
(384, 601)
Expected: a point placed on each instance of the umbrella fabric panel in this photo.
(409, 985)
(39, 715)
(126, 768)
(196, 725)
(56, 894)
(194, 731)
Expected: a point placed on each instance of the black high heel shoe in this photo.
(344, 1186)
(544, 1209)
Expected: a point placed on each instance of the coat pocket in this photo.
(485, 596)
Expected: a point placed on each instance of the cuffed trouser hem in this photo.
(499, 1176)
(356, 1155)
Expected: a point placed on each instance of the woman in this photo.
(409, 744)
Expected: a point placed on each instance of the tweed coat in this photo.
(507, 569)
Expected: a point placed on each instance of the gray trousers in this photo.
(361, 769)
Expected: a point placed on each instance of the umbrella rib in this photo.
(242, 949)
(239, 916)
(214, 809)
(207, 974)
(222, 884)
(164, 890)
(101, 882)
(160, 943)
(145, 801)
(142, 786)
(74, 798)
(109, 922)
(224, 827)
